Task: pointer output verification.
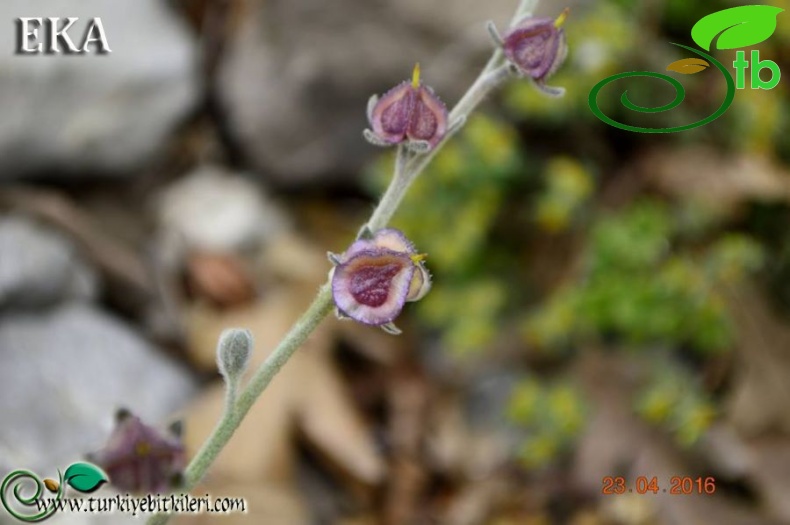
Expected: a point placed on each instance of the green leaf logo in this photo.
(738, 26)
(85, 477)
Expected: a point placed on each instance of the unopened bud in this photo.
(233, 352)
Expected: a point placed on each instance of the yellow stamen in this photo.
(142, 449)
(561, 19)
(417, 258)
(415, 76)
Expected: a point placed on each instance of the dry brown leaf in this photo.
(758, 402)
(476, 502)
(293, 258)
(609, 381)
(770, 472)
(408, 402)
(764, 461)
(721, 181)
(329, 419)
(307, 393)
(221, 279)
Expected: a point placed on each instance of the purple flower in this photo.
(408, 112)
(537, 47)
(375, 277)
(139, 458)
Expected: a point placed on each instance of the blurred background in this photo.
(605, 303)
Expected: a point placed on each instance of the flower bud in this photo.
(375, 277)
(537, 47)
(233, 352)
(408, 112)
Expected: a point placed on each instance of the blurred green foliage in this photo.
(568, 187)
(644, 285)
(553, 412)
(674, 399)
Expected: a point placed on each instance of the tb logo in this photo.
(733, 28)
(757, 65)
(50, 36)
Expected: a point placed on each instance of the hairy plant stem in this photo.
(232, 417)
(408, 167)
(397, 189)
(231, 394)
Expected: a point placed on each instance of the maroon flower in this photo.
(537, 47)
(408, 112)
(375, 277)
(139, 458)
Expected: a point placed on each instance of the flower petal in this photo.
(561, 53)
(358, 246)
(392, 239)
(372, 285)
(537, 47)
(391, 115)
(429, 118)
(420, 284)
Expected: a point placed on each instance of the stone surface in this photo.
(64, 374)
(299, 73)
(94, 114)
(214, 210)
(39, 267)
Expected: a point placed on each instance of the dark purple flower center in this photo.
(395, 117)
(371, 285)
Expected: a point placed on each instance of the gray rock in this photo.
(216, 210)
(39, 267)
(96, 114)
(63, 376)
(299, 73)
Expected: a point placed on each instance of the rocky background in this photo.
(605, 304)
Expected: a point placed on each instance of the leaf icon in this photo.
(742, 26)
(688, 66)
(51, 485)
(85, 477)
